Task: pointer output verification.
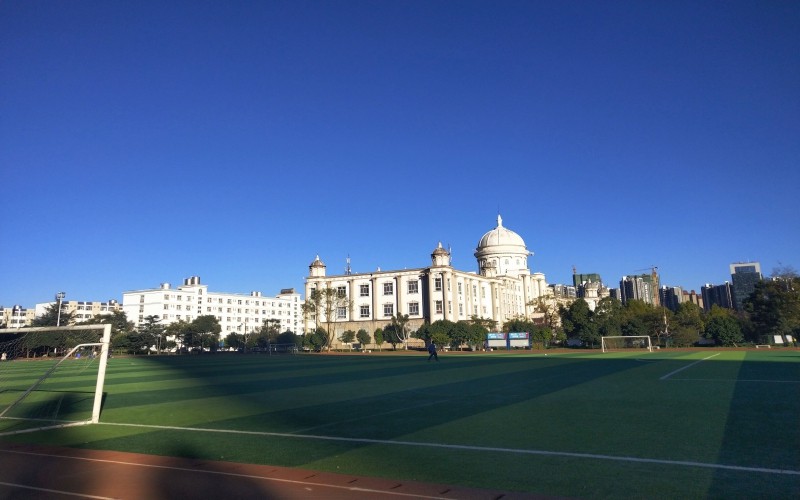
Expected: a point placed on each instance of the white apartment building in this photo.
(502, 289)
(235, 312)
(81, 310)
(16, 316)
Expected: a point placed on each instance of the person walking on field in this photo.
(432, 351)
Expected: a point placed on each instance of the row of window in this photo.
(413, 288)
(220, 300)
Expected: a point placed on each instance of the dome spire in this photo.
(499, 221)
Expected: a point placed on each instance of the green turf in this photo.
(615, 425)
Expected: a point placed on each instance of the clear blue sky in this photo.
(145, 142)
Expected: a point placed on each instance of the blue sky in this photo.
(146, 142)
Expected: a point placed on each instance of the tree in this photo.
(151, 332)
(398, 327)
(363, 338)
(124, 335)
(379, 338)
(577, 323)
(317, 340)
(723, 327)
(348, 336)
(608, 315)
(774, 308)
(50, 316)
(687, 324)
(545, 305)
(333, 303)
(205, 331)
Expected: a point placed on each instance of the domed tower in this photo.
(317, 269)
(440, 256)
(502, 252)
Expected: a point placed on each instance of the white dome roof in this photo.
(501, 237)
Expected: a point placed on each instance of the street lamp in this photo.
(59, 297)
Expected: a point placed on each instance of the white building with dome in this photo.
(503, 288)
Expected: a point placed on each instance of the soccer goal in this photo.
(53, 375)
(619, 343)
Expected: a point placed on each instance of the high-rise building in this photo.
(637, 288)
(719, 295)
(744, 276)
(671, 297)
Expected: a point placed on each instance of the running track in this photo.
(37, 473)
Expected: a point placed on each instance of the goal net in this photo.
(619, 343)
(51, 376)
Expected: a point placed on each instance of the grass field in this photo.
(694, 423)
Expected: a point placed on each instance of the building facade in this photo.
(81, 310)
(16, 316)
(744, 276)
(502, 289)
(719, 295)
(235, 312)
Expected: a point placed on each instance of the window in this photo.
(437, 284)
(413, 308)
(341, 291)
(341, 312)
(388, 289)
(365, 290)
(365, 311)
(413, 286)
(459, 288)
(388, 309)
(460, 309)
(439, 308)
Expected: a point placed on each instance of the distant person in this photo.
(4, 357)
(432, 351)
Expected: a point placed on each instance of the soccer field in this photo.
(694, 423)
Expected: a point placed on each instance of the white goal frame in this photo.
(648, 345)
(101, 369)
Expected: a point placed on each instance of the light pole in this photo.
(59, 297)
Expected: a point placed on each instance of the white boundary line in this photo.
(592, 456)
(668, 375)
(59, 492)
(217, 473)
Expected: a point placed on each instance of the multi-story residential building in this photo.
(744, 275)
(16, 316)
(81, 310)
(720, 295)
(502, 289)
(671, 297)
(235, 312)
(636, 288)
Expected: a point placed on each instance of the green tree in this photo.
(205, 332)
(379, 338)
(687, 324)
(332, 303)
(577, 323)
(608, 315)
(774, 309)
(723, 327)
(318, 340)
(50, 316)
(348, 336)
(398, 328)
(151, 332)
(363, 338)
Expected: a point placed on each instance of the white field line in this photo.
(668, 375)
(216, 473)
(591, 456)
(58, 492)
(764, 381)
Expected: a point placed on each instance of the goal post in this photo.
(16, 345)
(624, 342)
